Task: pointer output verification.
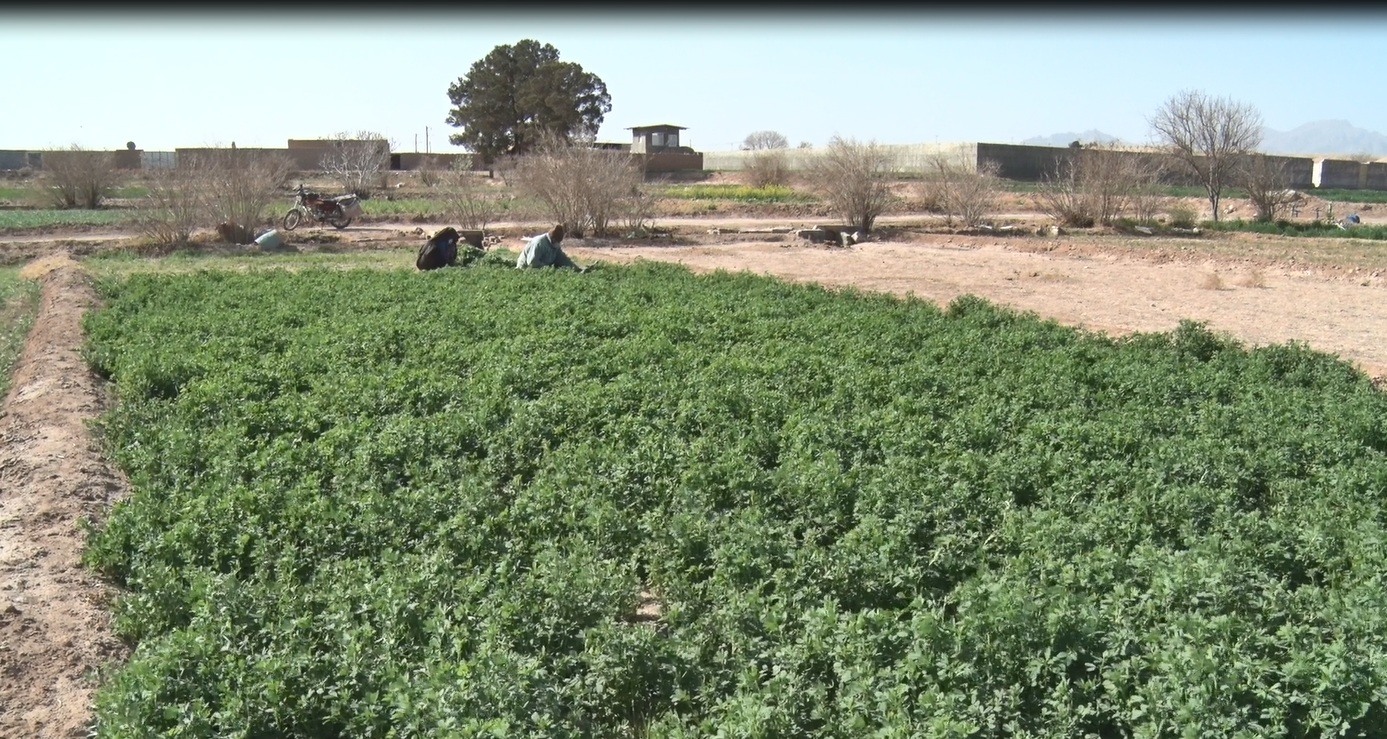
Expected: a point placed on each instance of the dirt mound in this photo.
(55, 628)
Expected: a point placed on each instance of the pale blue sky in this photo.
(895, 76)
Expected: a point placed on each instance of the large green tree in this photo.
(517, 93)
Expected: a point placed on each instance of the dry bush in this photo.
(239, 186)
(1211, 281)
(1099, 185)
(962, 192)
(582, 187)
(468, 202)
(1255, 278)
(358, 161)
(79, 178)
(1063, 195)
(854, 180)
(766, 168)
(175, 205)
(1182, 216)
(1147, 195)
(638, 210)
(429, 173)
(1267, 185)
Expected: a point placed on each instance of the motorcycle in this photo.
(337, 212)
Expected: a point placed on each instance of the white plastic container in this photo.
(269, 240)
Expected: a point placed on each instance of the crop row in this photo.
(19, 302)
(639, 502)
(24, 219)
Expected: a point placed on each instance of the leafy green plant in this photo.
(28, 219)
(737, 193)
(1300, 228)
(377, 503)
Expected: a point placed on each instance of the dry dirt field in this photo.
(54, 616)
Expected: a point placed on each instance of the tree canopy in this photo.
(758, 140)
(517, 93)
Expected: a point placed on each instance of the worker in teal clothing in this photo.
(543, 251)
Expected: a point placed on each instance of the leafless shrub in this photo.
(1211, 281)
(582, 187)
(358, 160)
(1267, 185)
(1147, 196)
(80, 178)
(175, 205)
(240, 185)
(1254, 278)
(769, 167)
(963, 192)
(429, 173)
(1063, 194)
(1098, 185)
(638, 210)
(854, 180)
(468, 202)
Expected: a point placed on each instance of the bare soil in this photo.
(55, 616)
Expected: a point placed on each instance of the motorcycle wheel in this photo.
(292, 219)
(339, 220)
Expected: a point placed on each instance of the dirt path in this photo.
(54, 615)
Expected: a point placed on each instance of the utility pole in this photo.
(426, 139)
(416, 143)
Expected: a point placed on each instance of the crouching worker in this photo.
(543, 251)
(441, 250)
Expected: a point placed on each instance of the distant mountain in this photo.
(1325, 138)
(1065, 139)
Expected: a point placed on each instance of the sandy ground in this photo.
(55, 617)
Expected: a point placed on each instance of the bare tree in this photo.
(766, 168)
(1267, 184)
(240, 185)
(581, 186)
(357, 160)
(759, 140)
(854, 180)
(1209, 135)
(80, 178)
(962, 191)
